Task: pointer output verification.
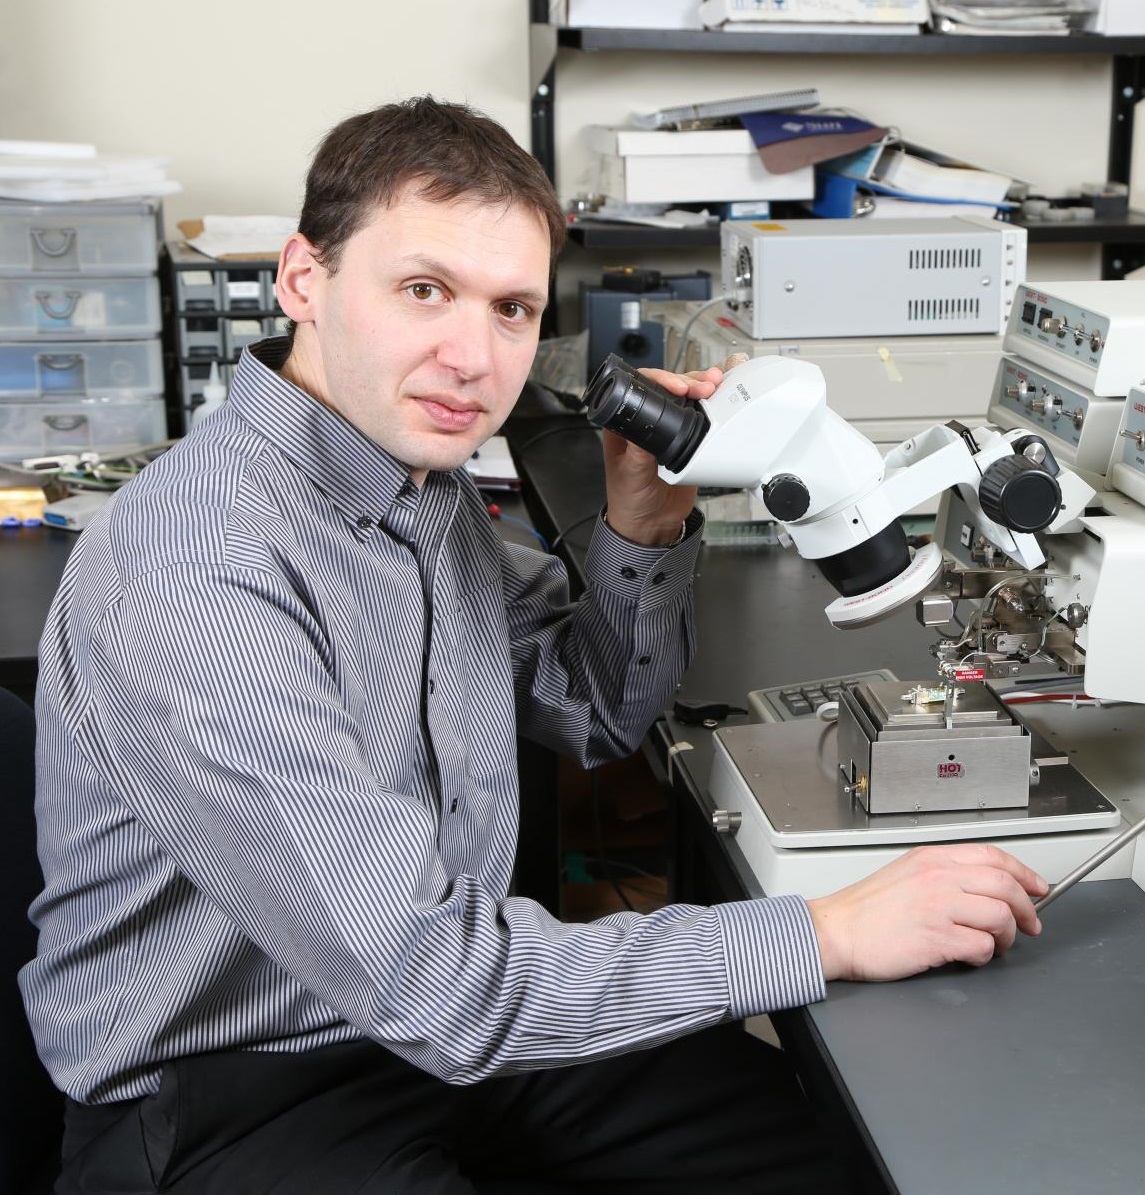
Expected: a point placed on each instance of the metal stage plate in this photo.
(790, 770)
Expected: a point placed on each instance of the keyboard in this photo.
(789, 703)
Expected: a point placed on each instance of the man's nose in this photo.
(468, 346)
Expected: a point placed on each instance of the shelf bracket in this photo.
(1128, 90)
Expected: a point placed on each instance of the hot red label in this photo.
(950, 771)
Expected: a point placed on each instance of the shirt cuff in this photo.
(652, 576)
(772, 955)
(694, 521)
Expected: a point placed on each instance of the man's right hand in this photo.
(964, 903)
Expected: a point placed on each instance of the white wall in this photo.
(238, 93)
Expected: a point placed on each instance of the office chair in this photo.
(31, 1109)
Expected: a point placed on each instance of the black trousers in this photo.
(718, 1111)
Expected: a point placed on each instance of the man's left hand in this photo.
(641, 506)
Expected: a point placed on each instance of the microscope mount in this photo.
(768, 429)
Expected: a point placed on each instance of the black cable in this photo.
(572, 527)
(572, 402)
(579, 426)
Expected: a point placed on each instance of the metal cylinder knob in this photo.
(726, 821)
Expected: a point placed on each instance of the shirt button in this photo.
(365, 523)
(658, 579)
(644, 660)
(628, 572)
(431, 685)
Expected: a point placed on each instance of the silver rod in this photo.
(1095, 860)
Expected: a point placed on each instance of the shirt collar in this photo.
(360, 478)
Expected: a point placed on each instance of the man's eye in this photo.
(512, 310)
(424, 290)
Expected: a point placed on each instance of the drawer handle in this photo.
(59, 360)
(66, 237)
(66, 310)
(65, 423)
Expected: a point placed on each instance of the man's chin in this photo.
(447, 457)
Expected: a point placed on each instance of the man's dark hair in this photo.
(447, 151)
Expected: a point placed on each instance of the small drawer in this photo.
(29, 429)
(121, 368)
(200, 336)
(71, 238)
(67, 306)
(247, 289)
(198, 290)
(238, 333)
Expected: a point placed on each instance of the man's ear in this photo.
(298, 273)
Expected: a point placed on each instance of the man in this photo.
(279, 695)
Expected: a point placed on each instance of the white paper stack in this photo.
(773, 16)
(1017, 17)
(65, 172)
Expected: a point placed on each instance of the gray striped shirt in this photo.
(277, 800)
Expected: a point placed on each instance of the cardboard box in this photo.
(1118, 18)
(630, 14)
(694, 166)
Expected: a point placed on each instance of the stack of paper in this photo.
(63, 172)
(237, 237)
(815, 16)
(1010, 16)
(492, 466)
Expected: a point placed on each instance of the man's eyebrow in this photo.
(534, 298)
(431, 265)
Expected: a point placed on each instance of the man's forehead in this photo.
(437, 231)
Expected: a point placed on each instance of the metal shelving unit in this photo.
(1122, 241)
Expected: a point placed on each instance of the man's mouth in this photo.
(448, 417)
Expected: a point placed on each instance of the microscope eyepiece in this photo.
(644, 413)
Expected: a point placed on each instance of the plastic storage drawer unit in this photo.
(71, 305)
(31, 429)
(124, 368)
(76, 238)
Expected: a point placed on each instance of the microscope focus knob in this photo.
(787, 497)
(1018, 494)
